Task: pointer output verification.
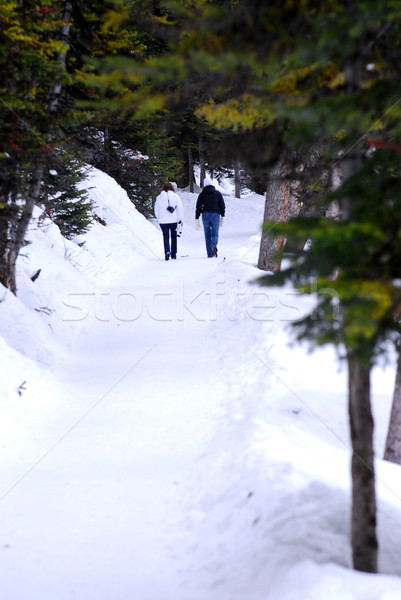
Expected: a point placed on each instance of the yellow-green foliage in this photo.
(245, 112)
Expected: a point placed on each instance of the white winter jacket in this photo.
(165, 199)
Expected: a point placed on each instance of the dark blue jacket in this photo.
(210, 200)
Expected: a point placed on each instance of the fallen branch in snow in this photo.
(21, 388)
(36, 275)
(45, 309)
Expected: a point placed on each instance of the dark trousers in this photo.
(169, 231)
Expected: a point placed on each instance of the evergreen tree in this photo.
(35, 103)
(66, 205)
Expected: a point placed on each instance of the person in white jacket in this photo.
(169, 213)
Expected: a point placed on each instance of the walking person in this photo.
(169, 213)
(210, 205)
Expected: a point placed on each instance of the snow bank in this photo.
(128, 237)
(35, 322)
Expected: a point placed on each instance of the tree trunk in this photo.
(182, 178)
(237, 180)
(107, 148)
(333, 210)
(18, 233)
(64, 38)
(352, 161)
(201, 162)
(14, 221)
(392, 451)
(190, 170)
(363, 539)
(8, 215)
(276, 211)
(363, 521)
(5, 223)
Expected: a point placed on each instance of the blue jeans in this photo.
(211, 224)
(170, 229)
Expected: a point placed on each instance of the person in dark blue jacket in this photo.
(210, 205)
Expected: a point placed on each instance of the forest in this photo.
(300, 101)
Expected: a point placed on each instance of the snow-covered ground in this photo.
(160, 437)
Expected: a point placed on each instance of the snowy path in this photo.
(150, 427)
(140, 399)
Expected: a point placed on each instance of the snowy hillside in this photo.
(161, 438)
